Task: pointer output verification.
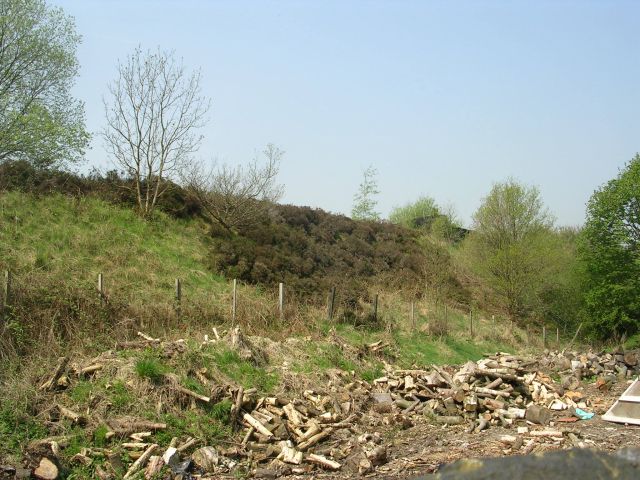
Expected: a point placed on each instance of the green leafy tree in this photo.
(610, 250)
(39, 119)
(418, 214)
(425, 215)
(512, 246)
(364, 201)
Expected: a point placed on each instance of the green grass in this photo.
(243, 372)
(206, 426)
(17, 428)
(75, 239)
(150, 368)
(81, 392)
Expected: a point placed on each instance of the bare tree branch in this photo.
(237, 197)
(153, 115)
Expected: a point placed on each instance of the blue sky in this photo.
(443, 98)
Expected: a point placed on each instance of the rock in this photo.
(206, 458)
(631, 359)
(47, 470)
(22, 473)
(381, 397)
(556, 465)
(538, 414)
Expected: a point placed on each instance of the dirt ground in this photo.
(423, 448)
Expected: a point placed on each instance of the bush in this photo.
(312, 251)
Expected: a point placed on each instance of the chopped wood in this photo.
(215, 332)
(191, 393)
(292, 414)
(314, 429)
(46, 470)
(128, 426)
(315, 439)
(257, 425)
(247, 437)
(493, 393)
(71, 415)
(546, 433)
(148, 338)
(289, 454)
(60, 369)
(140, 462)
(135, 445)
(153, 467)
(323, 462)
(187, 445)
(169, 454)
(235, 408)
(86, 371)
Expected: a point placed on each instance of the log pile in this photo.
(333, 428)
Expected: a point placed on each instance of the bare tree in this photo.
(238, 197)
(153, 115)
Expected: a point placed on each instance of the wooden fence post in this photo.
(557, 337)
(413, 316)
(471, 321)
(375, 308)
(178, 295)
(446, 319)
(6, 297)
(234, 302)
(332, 300)
(544, 336)
(101, 289)
(281, 300)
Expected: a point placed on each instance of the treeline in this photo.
(517, 259)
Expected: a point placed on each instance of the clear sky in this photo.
(443, 98)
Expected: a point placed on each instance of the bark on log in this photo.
(257, 425)
(60, 368)
(323, 462)
(140, 462)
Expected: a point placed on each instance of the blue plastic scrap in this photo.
(582, 415)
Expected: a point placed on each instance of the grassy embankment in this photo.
(55, 246)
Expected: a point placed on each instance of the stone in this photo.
(556, 465)
(538, 414)
(206, 458)
(47, 470)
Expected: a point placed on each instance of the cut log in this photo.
(257, 425)
(140, 462)
(315, 439)
(449, 419)
(71, 415)
(148, 338)
(47, 470)
(323, 462)
(235, 409)
(60, 369)
(153, 467)
(538, 414)
(206, 458)
(86, 371)
(288, 454)
(292, 414)
(187, 445)
(126, 426)
(490, 392)
(192, 394)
